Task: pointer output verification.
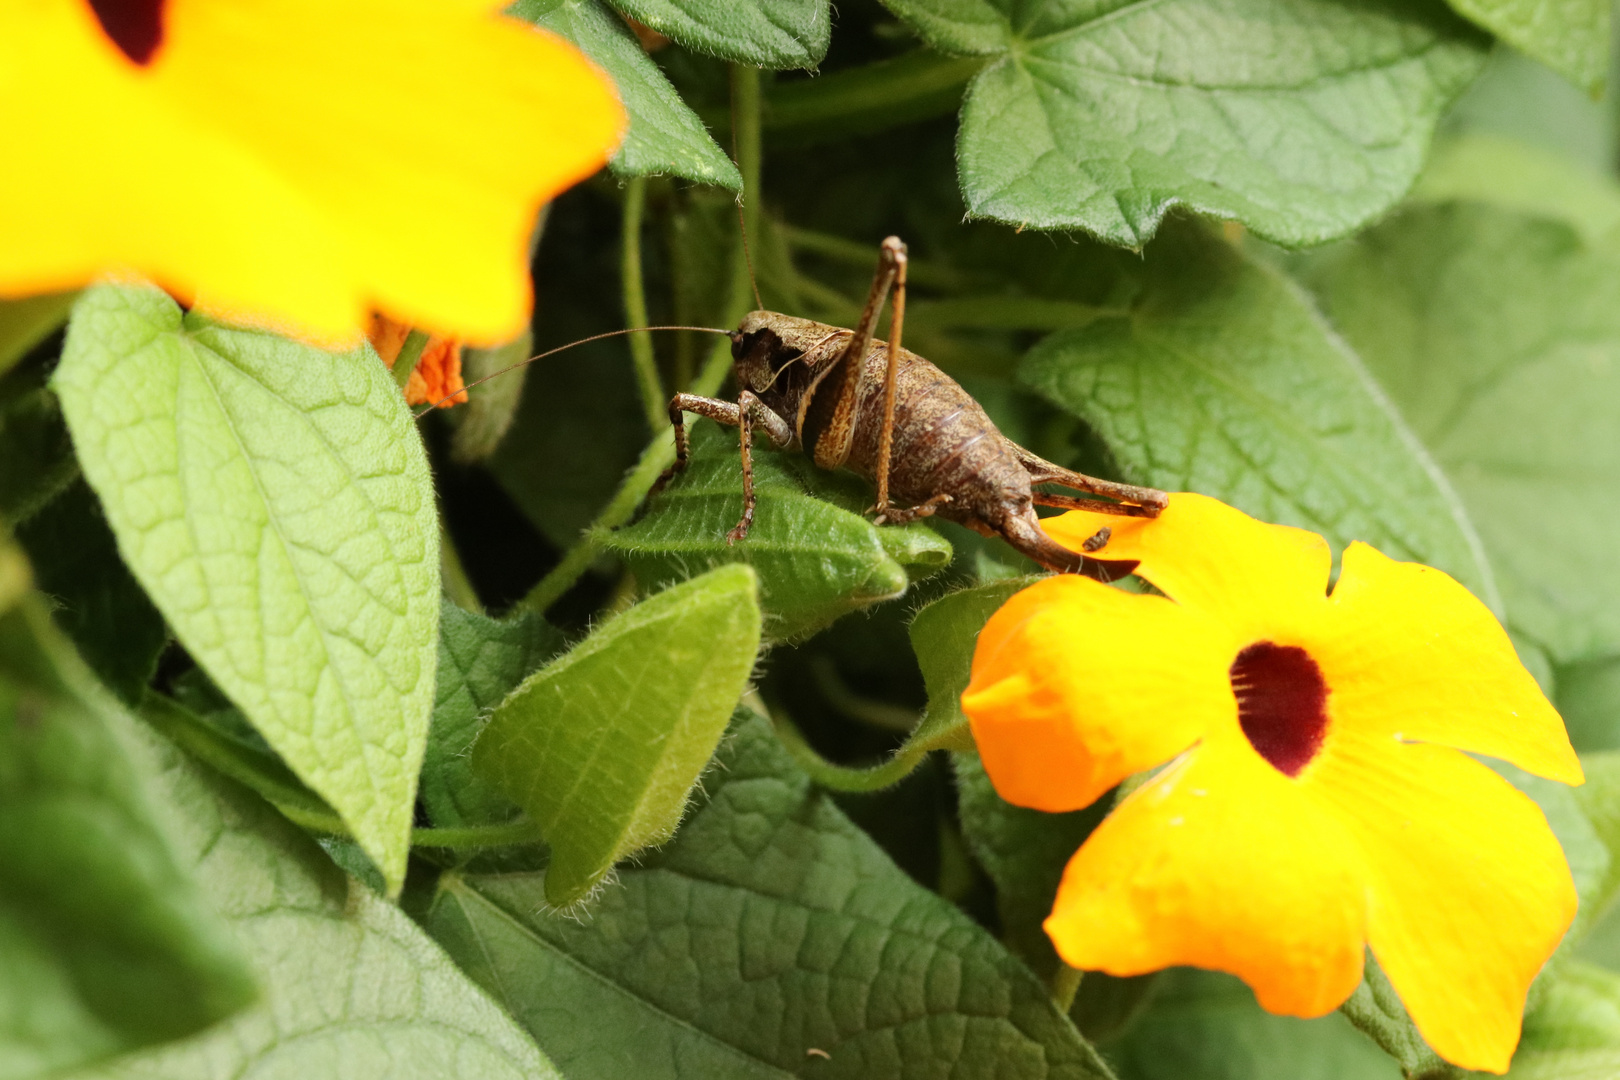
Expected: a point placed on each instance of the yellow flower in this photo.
(1318, 798)
(297, 161)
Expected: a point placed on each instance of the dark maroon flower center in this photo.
(1281, 703)
(135, 26)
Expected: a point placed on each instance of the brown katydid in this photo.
(851, 401)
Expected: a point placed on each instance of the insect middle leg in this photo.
(741, 414)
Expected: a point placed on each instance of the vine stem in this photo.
(660, 452)
(1065, 984)
(635, 304)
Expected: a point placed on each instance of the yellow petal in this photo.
(303, 160)
(1076, 686)
(1204, 554)
(1411, 654)
(1469, 892)
(1220, 863)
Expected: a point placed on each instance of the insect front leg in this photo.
(742, 414)
(721, 412)
(749, 409)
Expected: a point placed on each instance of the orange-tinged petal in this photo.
(304, 160)
(1468, 889)
(1220, 863)
(436, 379)
(1204, 554)
(387, 336)
(1412, 654)
(1077, 685)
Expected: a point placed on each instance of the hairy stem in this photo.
(653, 399)
(660, 452)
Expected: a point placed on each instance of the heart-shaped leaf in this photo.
(1222, 378)
(275, 502)
(1303, 119)
(771, 938)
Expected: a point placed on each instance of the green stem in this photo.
(273, 781)
(862, 256)
(917, 86)
(660, 452)
(453, 575)
(468, 836)
(653, 401)
(745, 140)
(409, 354)
(1065, 984)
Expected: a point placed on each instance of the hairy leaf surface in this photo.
(1222, 378)
(771, 927)
(1301, 118)
(816, 559)
(275, 503)
(766, 33)
(1498, 337)
(351, 987)
(481, 660)
(105, 944)
(1569, 36)
(603, 745)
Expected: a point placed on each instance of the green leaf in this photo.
(1599, 802)
(1207, 1026)
(769, 928)
(603, 745)
(1303, 119)
(36, 455)
(766, 33)
(1570, 36)
(1375, 1008)
(1498, 338)
(1024, 851)
(1588, 699)
(1566, 1065)
(1223, 379)
(100, 606)
(816, 561)
(276, 504)
(665, 135)
(26, 322)
(105, 944)
(351, 987)
(942, 636)
(1515, 175)
(480, 661)
(1578, 1010)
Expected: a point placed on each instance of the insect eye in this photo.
(739, 344)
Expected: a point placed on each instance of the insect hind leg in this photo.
(1131, 500)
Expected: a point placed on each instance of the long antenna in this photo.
(748, 256)
(561, 348)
